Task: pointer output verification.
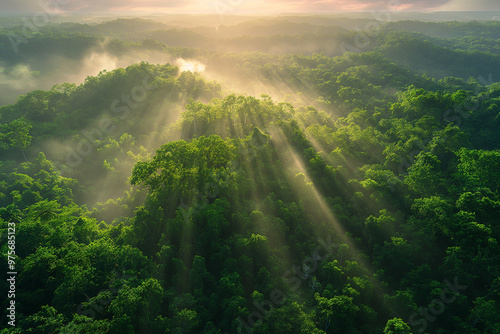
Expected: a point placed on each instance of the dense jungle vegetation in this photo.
(271, 176)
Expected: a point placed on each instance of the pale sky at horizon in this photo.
(239, 6)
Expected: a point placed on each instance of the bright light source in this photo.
(190, 65)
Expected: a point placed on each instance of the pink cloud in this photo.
(246, 6)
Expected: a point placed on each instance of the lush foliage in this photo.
(150, 200)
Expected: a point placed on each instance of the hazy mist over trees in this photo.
(294, 173)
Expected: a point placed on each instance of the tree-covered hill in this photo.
(266, 193)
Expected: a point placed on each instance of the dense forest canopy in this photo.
(291, 174)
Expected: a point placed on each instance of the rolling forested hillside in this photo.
(271, 175)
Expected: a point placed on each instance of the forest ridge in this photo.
(265, 175)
